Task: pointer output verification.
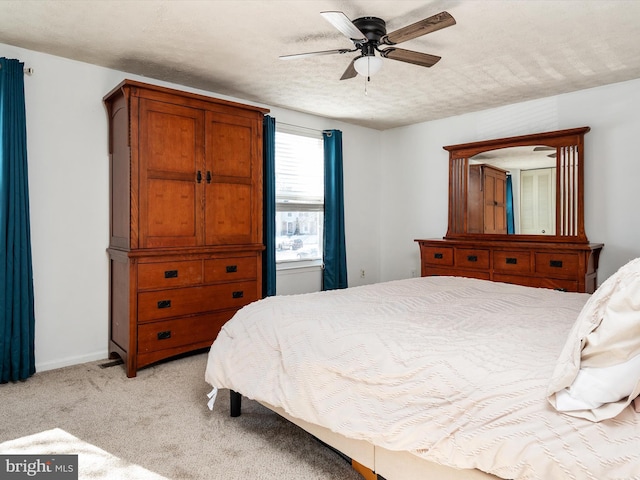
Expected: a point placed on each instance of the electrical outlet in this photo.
(362, 273)
(413, 273)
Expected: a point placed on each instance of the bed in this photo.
(450, 377)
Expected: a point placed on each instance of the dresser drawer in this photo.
(230, 269)
(540, 282)
(511, 262)
(557, 265)
(166, 334)
(472, 258)
(453, 272)
(169, 274)
(176, 302)
(439, 256)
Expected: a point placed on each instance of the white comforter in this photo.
(452, 369)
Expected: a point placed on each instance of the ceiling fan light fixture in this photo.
(367, 65)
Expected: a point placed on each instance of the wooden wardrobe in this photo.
(186, 219)
(487, 199)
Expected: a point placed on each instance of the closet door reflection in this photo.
(537, 202)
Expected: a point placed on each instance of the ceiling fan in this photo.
(542, 149)
(368, 34)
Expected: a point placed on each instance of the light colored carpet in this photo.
(160, 421)
(93, 462)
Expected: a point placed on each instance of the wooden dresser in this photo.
(478, 243)
(570, 267)
(186, 219)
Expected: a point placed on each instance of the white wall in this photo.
(415, 170)
(69, 201)
(395, 189)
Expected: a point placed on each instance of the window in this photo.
(299, 195)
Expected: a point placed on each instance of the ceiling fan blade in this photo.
(428, 25)
(344, 25)
(313, 54)
(409, 56)
(350, 72)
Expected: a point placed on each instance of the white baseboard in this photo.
(66, 362)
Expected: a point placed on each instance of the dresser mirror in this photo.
(519, 188)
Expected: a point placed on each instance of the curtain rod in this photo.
(26, 70)
(298, 126)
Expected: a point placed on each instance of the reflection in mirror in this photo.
(513, 191)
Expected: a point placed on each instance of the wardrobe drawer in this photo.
(176, 302)
(472, 258)
(169, 274)
(230, 269)
(167, 334)
(512, 262)
(557, 265)
(436, 255)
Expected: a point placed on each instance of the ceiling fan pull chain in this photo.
(367, 80)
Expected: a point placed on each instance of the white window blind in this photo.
(299, 194)
(299, 171)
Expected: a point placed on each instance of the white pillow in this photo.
(598, 373)
(594, 387)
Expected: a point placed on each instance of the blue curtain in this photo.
(17, 319)
(335, 253)
(269, 206)
(510, 221)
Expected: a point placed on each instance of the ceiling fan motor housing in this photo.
(374, 29)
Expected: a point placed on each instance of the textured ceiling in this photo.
(499, 52)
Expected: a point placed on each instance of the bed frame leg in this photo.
(235, 401)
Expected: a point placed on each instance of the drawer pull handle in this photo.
(164, 335)
(438, 255)
(238, 294)
(232, 268)
(512, 261)
(560, 289)
(472, 258)
(164, 304)
(555, 263)
(171, 274)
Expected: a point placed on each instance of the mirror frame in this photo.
(569, 146)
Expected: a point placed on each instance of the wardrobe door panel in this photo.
(171, 219)
(228, 214)
(229, 146)
(233, 162)
(170, 138)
